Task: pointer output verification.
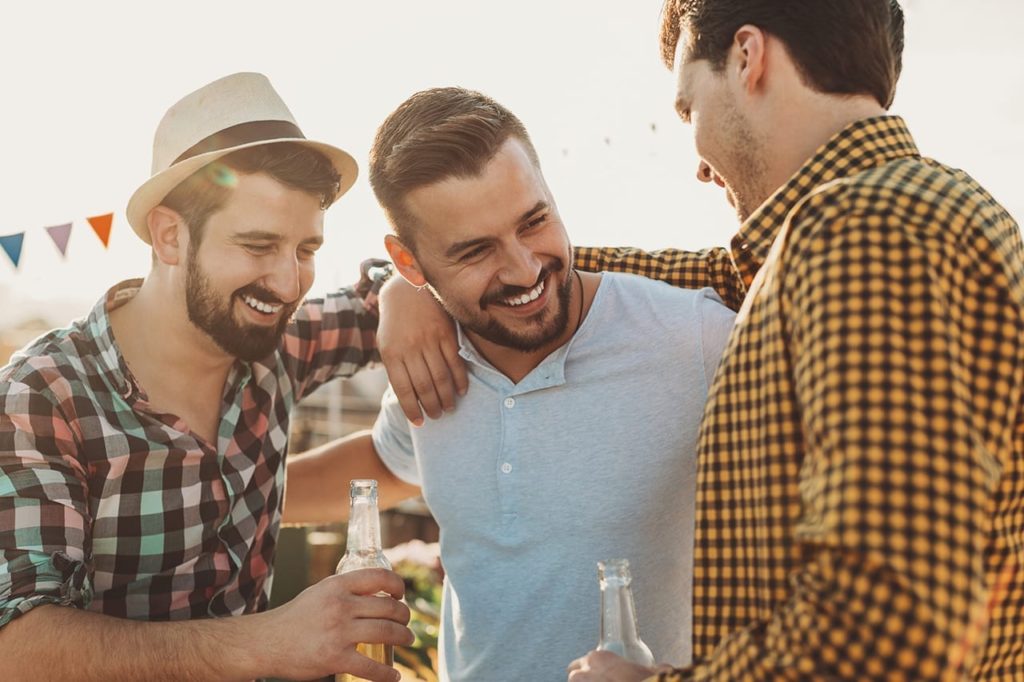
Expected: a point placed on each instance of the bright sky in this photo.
(85, 85)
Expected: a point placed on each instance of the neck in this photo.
(157, 339)
(516, 364)
(804, 123)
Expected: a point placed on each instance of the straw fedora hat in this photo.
(237, 111)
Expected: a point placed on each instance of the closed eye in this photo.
(472, 254)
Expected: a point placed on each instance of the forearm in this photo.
(850, 617)
(58, 642)
(713, 267)
(318, 480)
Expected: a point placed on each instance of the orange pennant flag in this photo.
(101, 226)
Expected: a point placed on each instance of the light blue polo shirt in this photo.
(591, 456)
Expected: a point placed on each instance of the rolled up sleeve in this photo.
(44, 524)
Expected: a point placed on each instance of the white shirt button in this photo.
(510, 403)
(506, 468)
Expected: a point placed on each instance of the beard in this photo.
(748, 168)
(535, 332)
(206, 310)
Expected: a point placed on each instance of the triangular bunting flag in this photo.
(60, 235)
(101, 226)
(12, 245)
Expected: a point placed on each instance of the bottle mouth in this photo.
(363, 487)
(613, 571)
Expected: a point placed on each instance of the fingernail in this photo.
(417, 422)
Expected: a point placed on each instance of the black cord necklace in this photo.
(579, 318)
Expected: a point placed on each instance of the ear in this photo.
(750, 47)
(168, 234)
(404, 260)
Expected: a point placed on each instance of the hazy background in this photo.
(84, 85)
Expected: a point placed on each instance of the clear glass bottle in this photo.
(363, 550)
(619, 631)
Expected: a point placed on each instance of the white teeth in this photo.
(261, 306)
(526, 298)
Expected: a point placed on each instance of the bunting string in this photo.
(101, 225)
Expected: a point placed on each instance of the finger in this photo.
(423, 384)
(370, 581)
(380, 632)
(381, 608)
(456, 365)
(576, 665)
(362, 667)
(401, 384)
(442, 378)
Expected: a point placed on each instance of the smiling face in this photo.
(732, 153)
(253, 265)
(495, 253)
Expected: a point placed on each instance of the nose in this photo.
(704, 172)
(285, 279)
(521, 267)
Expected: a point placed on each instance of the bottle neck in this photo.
(618, 613)
(363, 525)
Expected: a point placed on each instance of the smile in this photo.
(262, 307)
(531, 295)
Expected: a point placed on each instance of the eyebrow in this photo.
(264, 236)
(458, 247)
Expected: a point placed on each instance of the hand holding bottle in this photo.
(604, 666)
(317, 633)
(621, 656)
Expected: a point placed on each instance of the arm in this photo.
(328, 337)
(317, 487)
(313, 635)
(420, 351)
(45, 583)
(901, 460)
(712, 267)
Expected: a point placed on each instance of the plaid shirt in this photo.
(111, 506)
(860, 509)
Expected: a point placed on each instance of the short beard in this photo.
(248, 343)
(497, 333)
(748, 166)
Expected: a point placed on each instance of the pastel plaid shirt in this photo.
(110, 506)
(860, 507)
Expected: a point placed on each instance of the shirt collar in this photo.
(108, 355)
(864, 144)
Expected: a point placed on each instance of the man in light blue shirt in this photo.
(576, 440)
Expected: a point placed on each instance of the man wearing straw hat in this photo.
(142, 448)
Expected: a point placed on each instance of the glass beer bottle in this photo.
(619, 632)
(363, 550)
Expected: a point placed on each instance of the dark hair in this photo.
(434, 135)
(842, 47)
(206, 191)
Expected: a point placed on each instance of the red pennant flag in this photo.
(101, 226)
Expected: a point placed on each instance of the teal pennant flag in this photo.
(12, 245)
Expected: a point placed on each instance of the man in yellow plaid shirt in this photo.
(860, 508)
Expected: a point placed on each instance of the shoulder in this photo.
(50, 366)
(917, 196)
(636, 291)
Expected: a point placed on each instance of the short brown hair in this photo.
(432, 136)
(206, 191)
(842, 47)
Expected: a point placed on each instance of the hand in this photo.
(603, 666)
(316, 633)
(420, 351)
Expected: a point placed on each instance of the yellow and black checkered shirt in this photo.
(860, 505)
